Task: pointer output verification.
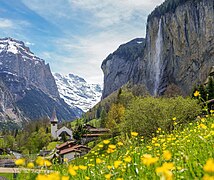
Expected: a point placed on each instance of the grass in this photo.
(7, 175)
(186, 153)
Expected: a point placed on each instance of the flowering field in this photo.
(184, 154)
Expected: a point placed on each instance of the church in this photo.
(55, 132)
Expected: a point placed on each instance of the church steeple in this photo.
(54, 122)
(53, 117)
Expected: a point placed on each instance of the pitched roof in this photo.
(73, 149)
(54, 117)
(65, 144)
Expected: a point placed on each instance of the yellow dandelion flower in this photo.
(119, 179)
(134, 134)
(196, 93)
(100, 145)
(147, 159)
(128, 159)
(82, 167)
(112, 146)
(167, 155)
(42, 177)
(120, 144)
(47, 163)
(30, 165)
(20, 162)
(98, 160)
(203, 126)
(209, 166)
(65, 178)
(108, 176)
(117, 164)
(212, 126)
(109, 167)
(87, 178)
(40, 161)
(106, 141)
(174, 119)
(109, 150)
(207, 177)
(72, 171)
(54, 176)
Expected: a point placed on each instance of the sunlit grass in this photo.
(183, 154)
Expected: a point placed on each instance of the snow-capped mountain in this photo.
(27, 87)
(77, 92)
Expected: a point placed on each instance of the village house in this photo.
(69, 150)
(93, 133)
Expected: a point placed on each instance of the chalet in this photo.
(69, 150)
(93, 133)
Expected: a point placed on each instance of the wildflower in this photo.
(128, 159)
(42, 177)
(65, 178)
(65, 159)
(117, 163)
(174, 119)
(111, 146)
(106, 141)
(82, 167)
(40, 161)
(109, 150)
(212, 126)
(54, 176)
(134, 134)
(47, 163)
(20, 162)
(167, 155)
(196, 93)
(119, 179)
(98, 160)
(165, 171)
(209, 166)
(203, 126)
(207, 177)
(120, 143)
(72, 171)
(30, 165)
(100, 145)
(108, 176)
(109, 167)
(87, 178)
(147, 159)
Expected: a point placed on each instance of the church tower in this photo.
(54, 122)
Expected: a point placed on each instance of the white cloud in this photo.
(6, 23)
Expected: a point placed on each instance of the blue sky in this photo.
(75, 36)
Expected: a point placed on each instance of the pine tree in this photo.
(210, 89)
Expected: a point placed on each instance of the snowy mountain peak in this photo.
(10, 45)
(77, 92)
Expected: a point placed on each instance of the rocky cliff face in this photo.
(28, 88)
(17, 59)
(179, 48)
(122, 65)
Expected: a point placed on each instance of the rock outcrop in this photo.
(179, 48)
(122, 65)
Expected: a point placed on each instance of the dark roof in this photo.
(68, 150)
(73, 149)
(65, 144)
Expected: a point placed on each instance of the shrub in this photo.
(146, 115)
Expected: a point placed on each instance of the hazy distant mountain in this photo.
(77, 92)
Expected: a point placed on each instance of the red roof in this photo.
(73, 149)
(65, 144)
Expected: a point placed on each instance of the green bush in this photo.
(146, 115)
